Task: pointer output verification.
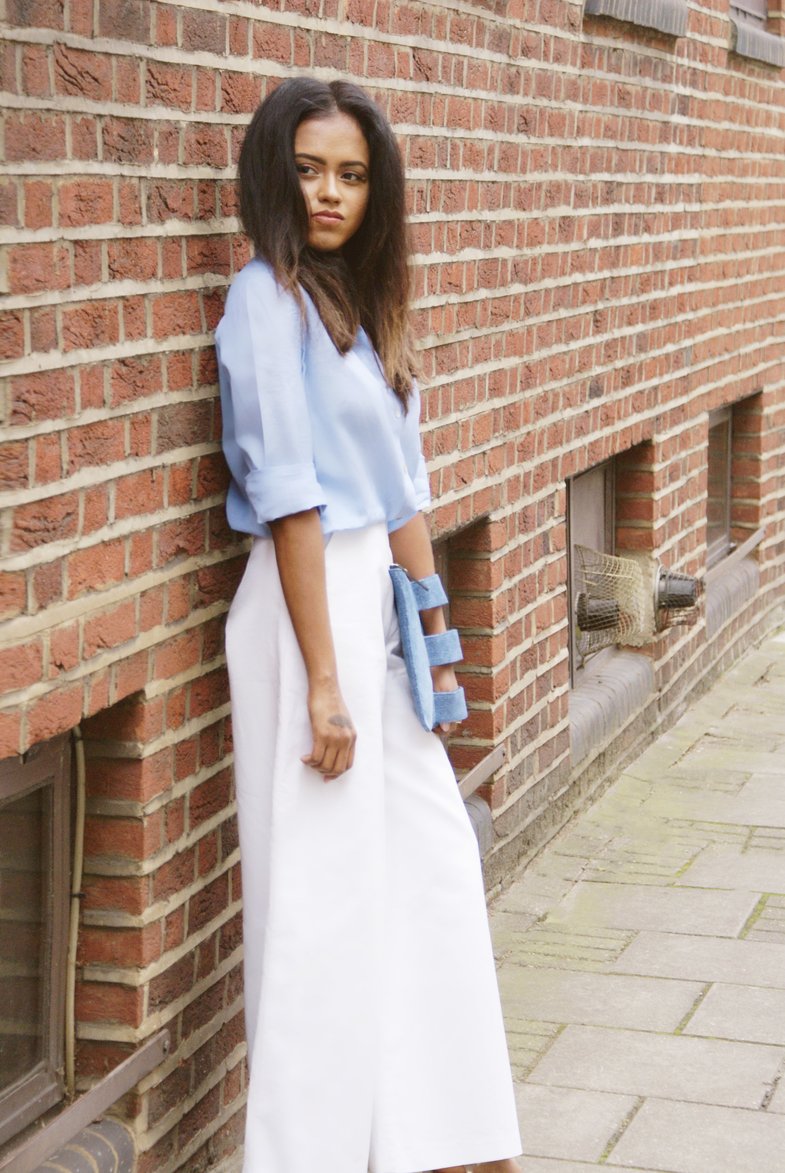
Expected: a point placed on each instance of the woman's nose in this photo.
(328, 188)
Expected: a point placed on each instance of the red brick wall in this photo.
(597, 216)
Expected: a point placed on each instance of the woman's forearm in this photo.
(411, 549)
(299, 552)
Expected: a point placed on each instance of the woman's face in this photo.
(332, 160)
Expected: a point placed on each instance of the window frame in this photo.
(755, 10)
(720, 547)
(44, 767)
(608, 467)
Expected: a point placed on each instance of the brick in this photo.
(169, 85)
(95, 567)
(36, 79)
(80, 17)
(35, 13)
(89, 75)
(119, 947)
(183, 424)
(63, 649)
(21, 666)
(47, 585)
(51, 520)
(33, 268)
(203, 31)
(12, 335)
(96, 444)
(33, 136)
(110, 1003)
(111, 629)
(132, 260)
(10, 733)
(240, 92)
(130, 201)
(86, 201)
(9, 204)
(127, 83)
(127, 140)
(129, 20)
(176, 313)
(205, 145)
(54, 713)
(88, 266)
(15, 464)
(170, 199)
(43, 329)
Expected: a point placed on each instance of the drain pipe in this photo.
(73, 924)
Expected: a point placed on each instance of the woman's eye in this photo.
(305, 169)
(353, 176)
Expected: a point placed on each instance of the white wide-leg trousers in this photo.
(375, 1036)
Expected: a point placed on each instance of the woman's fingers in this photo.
(333, 746)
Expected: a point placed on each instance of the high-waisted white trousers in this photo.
(375, 1036)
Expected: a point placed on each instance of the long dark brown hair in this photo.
(366, 283)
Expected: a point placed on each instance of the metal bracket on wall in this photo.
(476, 776)
(26, 1157)
(724, 566)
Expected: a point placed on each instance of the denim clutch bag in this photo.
(421, 652)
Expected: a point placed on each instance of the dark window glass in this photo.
(719, 486)
(22, 920)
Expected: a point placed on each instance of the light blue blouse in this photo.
(304, 426)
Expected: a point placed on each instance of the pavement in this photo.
(642, 954)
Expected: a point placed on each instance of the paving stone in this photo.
(742, 810)
(558, 946)
(596, 999)
(740, 1012)
(548, 1165)
(627, 906)
(708, 1071)
(699, 1138)
(527, 1041)
(704, 959)
(725, 868)
(569, 1124)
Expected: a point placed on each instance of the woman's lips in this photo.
(328, 217)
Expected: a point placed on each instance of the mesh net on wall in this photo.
(611, 601)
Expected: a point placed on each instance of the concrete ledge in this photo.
(613, 686)
(666, 16)
(728, 594)
(481, 820)
(104, 1147)
(750, 40)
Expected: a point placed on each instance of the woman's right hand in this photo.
(334, 735)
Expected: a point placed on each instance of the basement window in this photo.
(34, 881)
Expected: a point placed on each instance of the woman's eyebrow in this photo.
(319, 159)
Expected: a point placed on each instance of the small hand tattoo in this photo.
(339, 719)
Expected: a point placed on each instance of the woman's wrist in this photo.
(322, 678)
(433, 621)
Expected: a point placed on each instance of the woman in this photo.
(375, 1038)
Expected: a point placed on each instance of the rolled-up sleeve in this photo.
(261, 351)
